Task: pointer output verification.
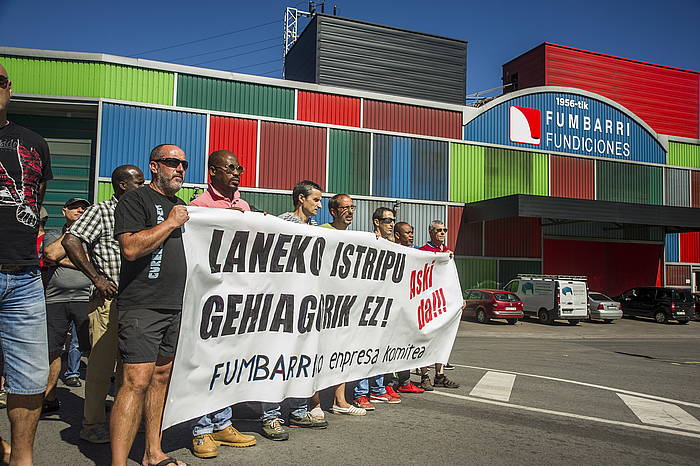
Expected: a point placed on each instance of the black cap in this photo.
(75, 200)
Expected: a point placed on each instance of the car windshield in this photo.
(507, 297)
(599, 297)
(682, 295)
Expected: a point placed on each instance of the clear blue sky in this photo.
(665, 32)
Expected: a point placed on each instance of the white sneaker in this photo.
(350, 410)
(317, 413)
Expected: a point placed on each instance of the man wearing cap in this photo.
(67, 294)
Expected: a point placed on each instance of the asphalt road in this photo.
(626, 393)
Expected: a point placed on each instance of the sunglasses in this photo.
(4, 82)
(173, 162)
(387, 220)
(439, 230)
(230, 168)
(351, 208)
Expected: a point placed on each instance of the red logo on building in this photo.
(525, 125)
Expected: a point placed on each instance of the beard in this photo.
(170, 186)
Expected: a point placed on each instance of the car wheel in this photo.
(573, 322)
(544, 316)
(660, 317)
(683, 322)
(512, 321)
(481, 316)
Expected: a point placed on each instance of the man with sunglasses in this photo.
(215, 429)
(25, 167)
(438, 233)
(147, 225)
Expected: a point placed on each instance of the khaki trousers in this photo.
(102, 360)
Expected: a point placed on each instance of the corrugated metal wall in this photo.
(695, 185)
(291, 153)
(678, 275)
(87, 79)
(690, 247)
(240, 136)
(513, 237)
(273, 203)
(672, 251)
(328, 108)
(72, 176)
(465, 239)
(525, 71)
(349, 162)
(509, 172)
(684, 155)
(429, 171)
(677, 187)
(598, 230)
(626, 182)
(476, 273)
(466, 173)
(508, 270)
(572, 177)
(401, 118)
(235, 97)
(129, 133)
(187, 194)
(420, 216)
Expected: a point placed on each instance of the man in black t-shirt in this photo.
(25, 167)
(147, 225)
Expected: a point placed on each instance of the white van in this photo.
(551, 297)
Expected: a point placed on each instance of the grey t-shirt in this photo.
(65, 284)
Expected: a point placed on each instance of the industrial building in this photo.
(585, 165)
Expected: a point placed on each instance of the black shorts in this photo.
(58, 319)
(146, 333)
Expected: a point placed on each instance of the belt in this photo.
(10, 267)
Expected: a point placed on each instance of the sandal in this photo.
(168, 460)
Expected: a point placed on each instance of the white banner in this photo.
(274, 309)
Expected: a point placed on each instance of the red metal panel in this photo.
(666, 98)
(328, 108)
(572, 177)
(678, 275)
(291, 153)
(513, 237)
(402, 118)
(695, 188)
(465, 239)
(610, 267)
(240, 137)
(525, 71)
(690, 247)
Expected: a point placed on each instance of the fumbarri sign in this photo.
(569, 121)
(274, 309)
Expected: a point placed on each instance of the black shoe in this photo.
(442, 381)
(448, 367)
(50, 406)
(73, 382)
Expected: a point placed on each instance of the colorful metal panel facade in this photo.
(684, 155)
(328, 108)
(239, 136)
(88, 79)
(572, 177)
(690, 247)
(72, 176)
(129, 133)
(678, 275)
(677, 187)
(420, 216)
(467, 182)
(392, 167)
(572, 122)
(430, 170)
(477, 273)
(234, 96)
(291, 153)
(401, 118)
(187, 194)
(672, 250)
(695, 188)
(509, 270)
(625, 182)
(513, 237)
(509, 172)
(349, 161)
(465, 239)
(272, 203)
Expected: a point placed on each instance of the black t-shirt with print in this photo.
(24, 164)
(156, 280)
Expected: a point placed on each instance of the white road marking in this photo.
(495, 386)
(576, 382)
(660, 413)
(569, 415)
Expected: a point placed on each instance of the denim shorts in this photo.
(23, 331)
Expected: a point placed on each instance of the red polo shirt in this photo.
(212, 198)
(432, 248)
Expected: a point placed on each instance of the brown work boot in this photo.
(203, 446)
(231, 437)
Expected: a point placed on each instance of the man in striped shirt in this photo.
(94, 231)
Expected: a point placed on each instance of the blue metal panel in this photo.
(430, 169)
(673, 247)
(381, 165)
(323, 215)
(129, 133)
(401, 165)
(565, 122)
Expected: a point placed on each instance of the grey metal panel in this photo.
(601, 230)
(301, 60)
(382, 59)
(677, 187)
(420, 216)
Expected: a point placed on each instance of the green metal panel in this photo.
(104, 191)
(273, 203)
(476, 273)
(509, 172)
(685, 155)
(628, 182)
(466, 173)
(349, 154)
(71, 167)
(88, 79)
(234, 96)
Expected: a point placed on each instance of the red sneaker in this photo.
(363, 402)
(385, 398)
(410, 387)
(391, 392)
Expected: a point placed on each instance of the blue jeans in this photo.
(300, 406)
(364, 386)
(23, 332)
(212, 422)
(74, 354)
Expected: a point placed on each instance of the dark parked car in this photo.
(696, 297)
(485, 305)
(661, 303)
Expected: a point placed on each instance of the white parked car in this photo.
(552, 297)
(603, 308)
